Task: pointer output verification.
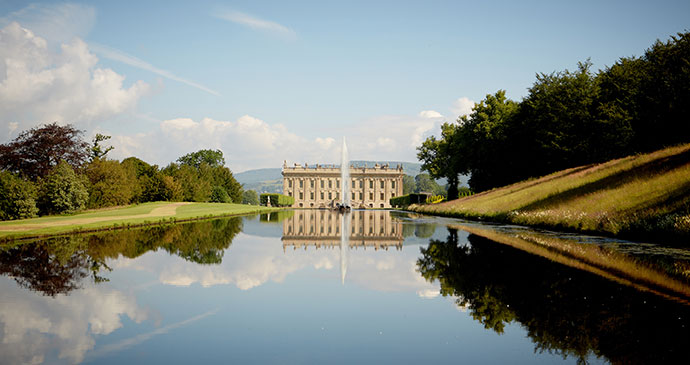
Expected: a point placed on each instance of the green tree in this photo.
(98, 151)
(17, 197)
(556, 121)
(199, 172)
(440, 158)
(223, 177)
(425, 184)
(644, 99)
(152, 184)
(409, 184)
(250, 197)
(62, 191)
(110, 183)
(213, 158)
(172, 189)
(484, 141)
(196, 183)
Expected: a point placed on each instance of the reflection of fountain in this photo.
(344, 204)
(344, 243)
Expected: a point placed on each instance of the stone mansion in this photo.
(319, 186)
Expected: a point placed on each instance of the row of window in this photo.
(337, 182)
(337, 196)
(382, 231)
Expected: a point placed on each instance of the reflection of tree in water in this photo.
(419, 230)
(204, 242)
(58, 265)
(276, 217)
(51, 268)
(564, 310)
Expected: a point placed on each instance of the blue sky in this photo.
(272, 81)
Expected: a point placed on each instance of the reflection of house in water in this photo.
(322, 228)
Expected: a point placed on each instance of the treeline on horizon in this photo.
(51, 170)
(568, 119)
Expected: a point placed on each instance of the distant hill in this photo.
(269, 180)
(258, 175)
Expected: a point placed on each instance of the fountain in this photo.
(344, 205)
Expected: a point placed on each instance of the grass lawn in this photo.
(647, 193)
(120, 217)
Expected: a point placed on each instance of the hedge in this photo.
(277, 200)
(405, 200)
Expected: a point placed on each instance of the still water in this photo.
(313, 286)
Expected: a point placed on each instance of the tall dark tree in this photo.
(649, 95)
(36, 151)
(440, 158)
(484, 141)
(557, 121)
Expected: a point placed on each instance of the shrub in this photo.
(17, 197)
(62, 191)
(250, 197)
(400, 201)
(405, 200)
(219, 195)
(277, 200)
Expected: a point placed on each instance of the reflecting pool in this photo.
(314, 286)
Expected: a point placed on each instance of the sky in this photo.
(273, 81)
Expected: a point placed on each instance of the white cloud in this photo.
(391, 137)
(117, 55)
(250, 142)
(462, 106)
(34, 326)
(138, 339)
(385, 143)
(325, 143)
(428, 293)
(253, 261)
(430, 114)
(246, 143)
(257, 23)
(58, 23)
(38, 85)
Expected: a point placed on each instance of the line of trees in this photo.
(51, 170)
(567, 119)
(422, 183)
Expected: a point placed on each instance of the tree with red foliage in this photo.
(36, 151)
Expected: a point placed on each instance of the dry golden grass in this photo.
(636, 193)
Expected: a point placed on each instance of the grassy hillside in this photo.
(642, 195)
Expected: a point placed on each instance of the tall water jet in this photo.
(345, 177)
(345, 208)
